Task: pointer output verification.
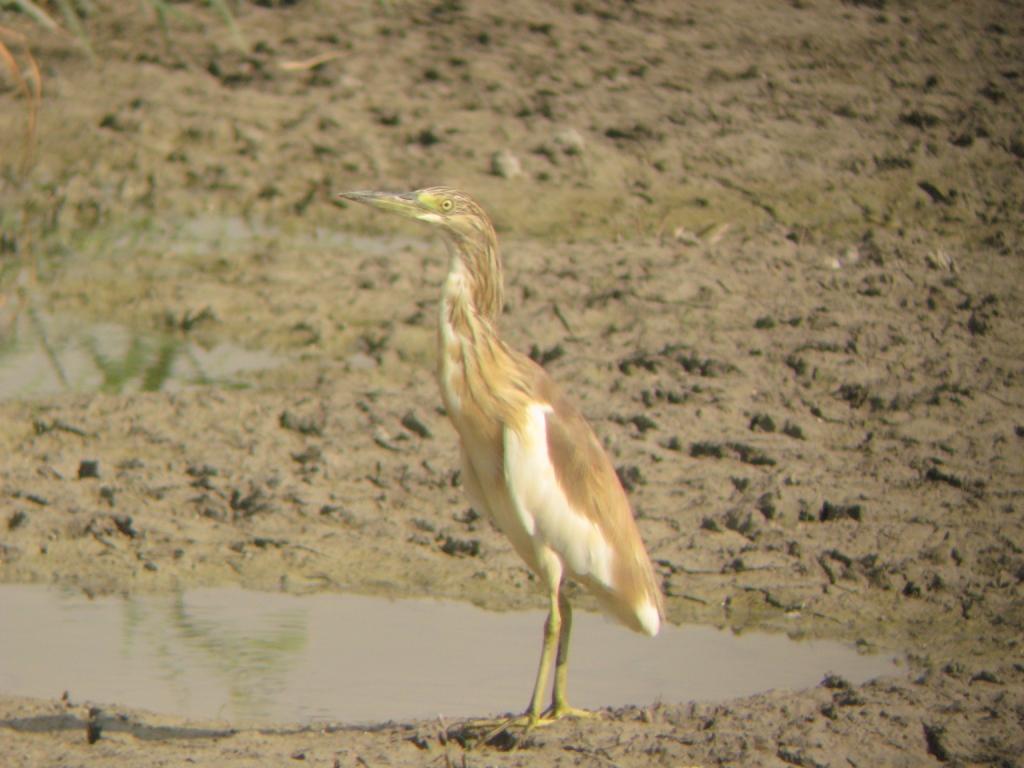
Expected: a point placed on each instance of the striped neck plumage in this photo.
(476, 266)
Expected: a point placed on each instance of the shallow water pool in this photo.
(255, 657)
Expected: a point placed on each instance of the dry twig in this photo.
(28, 82)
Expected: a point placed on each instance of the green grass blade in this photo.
(41, 17)
(222, 8)
(75, 25)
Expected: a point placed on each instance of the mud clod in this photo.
(935, 738)
(88, 468)
(830, 512)
(644, 361)
(797, 364)
(643, 423)
(412, 423)
(936, 475)
(835, 682)
(124, 525)
(247, 504)
(748, 454)
(304, 424)
(630, 476)
(766, 506)
(544, 356)
(707, 449)
(93, 726)
(460, 547)
(793, 430)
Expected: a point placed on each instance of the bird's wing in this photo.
(560, 478)
(537, 493)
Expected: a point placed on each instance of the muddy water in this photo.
(260, 657)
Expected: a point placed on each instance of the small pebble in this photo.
(88, 468)
(571, 141)
(506, 165)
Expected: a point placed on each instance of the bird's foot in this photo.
(558, 711)
(509, 733)
(503, 732)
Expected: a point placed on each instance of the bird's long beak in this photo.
(406, 204)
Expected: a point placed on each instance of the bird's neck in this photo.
(478, 374)
(469, 309)
(476, 261)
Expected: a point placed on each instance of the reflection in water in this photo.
(263, 657)
(208, 653)
(42, 355)
(244, 644)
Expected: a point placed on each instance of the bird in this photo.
(530, 461)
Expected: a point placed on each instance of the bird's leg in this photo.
(557, 629)
(533, 717)
(558, 695)
(559, 702)
(552, 644)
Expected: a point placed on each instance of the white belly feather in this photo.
(538, 498)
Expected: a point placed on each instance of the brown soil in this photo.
(774, 251)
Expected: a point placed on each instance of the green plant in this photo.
(73, 18)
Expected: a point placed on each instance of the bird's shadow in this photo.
(95, 724)
(71, 721)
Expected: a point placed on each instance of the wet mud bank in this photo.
(773, 251)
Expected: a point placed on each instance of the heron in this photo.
(530, 461)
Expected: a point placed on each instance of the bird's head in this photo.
(454, 212)
(465, 226)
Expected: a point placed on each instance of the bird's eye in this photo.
(447, 205)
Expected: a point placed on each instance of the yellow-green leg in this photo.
(551, 647)
(550, 651)
(559, 701)
(557, 629)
